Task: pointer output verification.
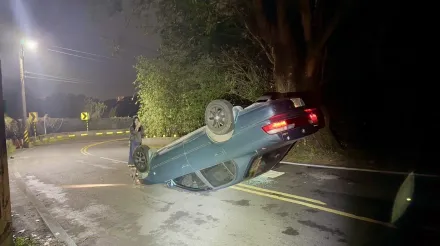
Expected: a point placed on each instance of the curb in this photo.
(71, 135)
(51, 223)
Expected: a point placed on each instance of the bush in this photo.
(10, 147)
(11, 127)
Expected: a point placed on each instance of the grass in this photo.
(25, 241)
(308, 150)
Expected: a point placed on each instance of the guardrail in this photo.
(73, 135)
(53, 137)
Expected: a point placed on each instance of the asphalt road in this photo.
(86, 192)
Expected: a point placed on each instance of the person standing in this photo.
(136, 134)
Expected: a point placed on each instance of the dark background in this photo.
(375, 79)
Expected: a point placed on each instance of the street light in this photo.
(30, 45)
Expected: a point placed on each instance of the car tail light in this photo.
(278, 126)
(313, 117)
(279, 123)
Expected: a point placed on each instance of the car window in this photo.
(264, 163)
(220, 174)
(191, 181)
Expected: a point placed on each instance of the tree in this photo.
(263, 44)
(205, 54)
(112, 112)
(294, 35)
(94, 107)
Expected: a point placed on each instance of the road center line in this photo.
(334, 211)
(357, 169)
(281, 193)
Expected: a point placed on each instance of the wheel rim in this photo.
(140, 160)
(217, 117)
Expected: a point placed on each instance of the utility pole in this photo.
(23, 99)
(5, 195)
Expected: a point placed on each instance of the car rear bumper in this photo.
(297, 133)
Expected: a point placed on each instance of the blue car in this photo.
(236, 143)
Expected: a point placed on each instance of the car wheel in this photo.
(219, 117)
(140, 157)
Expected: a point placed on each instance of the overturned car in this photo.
(236, 144)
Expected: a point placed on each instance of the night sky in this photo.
(74, 25)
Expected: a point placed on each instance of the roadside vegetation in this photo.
(210, 49)
(25, 241)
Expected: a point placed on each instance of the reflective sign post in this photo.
(86, 117)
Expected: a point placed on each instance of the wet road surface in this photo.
(87, 189)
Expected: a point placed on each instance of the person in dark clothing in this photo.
(136, 134)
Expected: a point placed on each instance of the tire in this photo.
(219, 117)
(141, 159)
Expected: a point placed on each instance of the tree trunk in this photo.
(290, 76)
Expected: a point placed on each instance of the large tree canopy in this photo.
(206, 53)
(216, 47)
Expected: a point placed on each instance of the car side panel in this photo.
(201, 152)
(169, 164)
(254, 114)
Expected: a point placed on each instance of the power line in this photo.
(65, 53)
(55, 77)
(83, 52)
(58, 80)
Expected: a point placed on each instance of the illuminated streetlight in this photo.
(29, 44)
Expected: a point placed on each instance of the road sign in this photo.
(33, 116)
(85, 116)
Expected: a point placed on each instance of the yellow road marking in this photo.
(91, 185)
(60, 136)
(99, 133)
(119, 132)
(71, 136)
(110, 133)
(333, 211)
(85, 148)
(84, 134)
(127, 131)
(269, 193)
(282, 194)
